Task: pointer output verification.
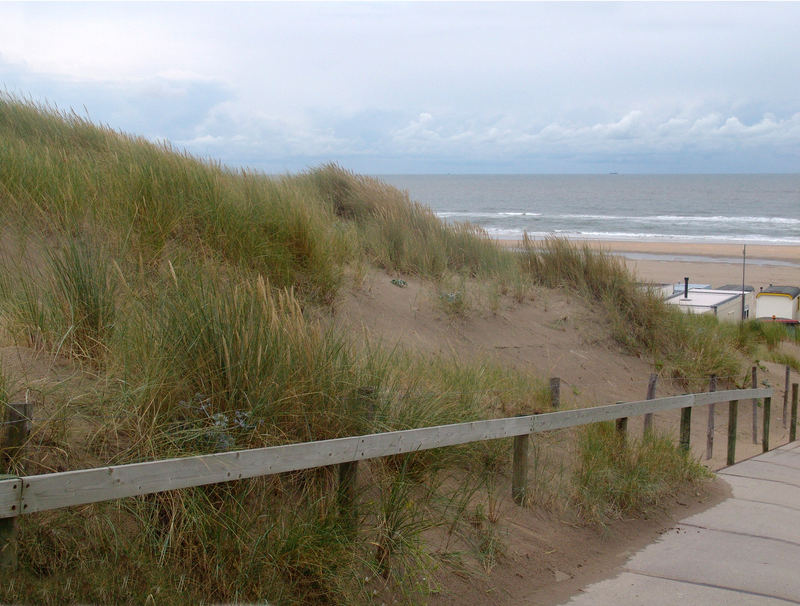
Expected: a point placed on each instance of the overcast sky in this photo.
(427, 88)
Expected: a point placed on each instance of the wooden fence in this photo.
(20, 495)
(30, 494)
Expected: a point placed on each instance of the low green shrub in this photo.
(785, 359)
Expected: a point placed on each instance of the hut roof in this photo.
(792, 291)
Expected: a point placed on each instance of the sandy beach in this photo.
(715, 264)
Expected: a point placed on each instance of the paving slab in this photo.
(754, 468)
(793, 447)
(631, 589)
(789, 458)
(765, 520)
(764, 491)
(787, 447)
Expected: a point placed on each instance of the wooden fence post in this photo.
(346, 495)
(519, 474)
(767, 414)
(686, 427)
(755, 405)
(18, 417)
(555, 393)
(733, 414)
(786, 395)
(651, 394)
(712, 386)
(348, 472)
(793, 428)
(622, 427)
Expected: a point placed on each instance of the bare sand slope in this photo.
(552, 333)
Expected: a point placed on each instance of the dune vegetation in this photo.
(193, 300)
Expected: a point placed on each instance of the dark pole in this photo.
(744, 257)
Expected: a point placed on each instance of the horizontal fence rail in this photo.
(30, 494)
(584, 416)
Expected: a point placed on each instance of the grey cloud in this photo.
(634, 130)
(157, 107)
(231, 131)
(426, 142)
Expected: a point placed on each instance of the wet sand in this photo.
(715, 264)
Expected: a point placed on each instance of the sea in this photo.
(742, 209)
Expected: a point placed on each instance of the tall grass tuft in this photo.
(206, 349)
(618, 477)
(785, 359)
(772, 333)
(403, 235)
(66, 303)
(84, 297)
(251, 542)
(25, 308)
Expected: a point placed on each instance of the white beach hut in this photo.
(779, 303)
(749, 297)
(724, 304)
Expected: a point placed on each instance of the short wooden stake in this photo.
(786, 395)
(651, 394)
(755, 405)
(519, 473)
(733, 414)
(348, 511)
(555, 393)
(712, 386)
(686, 427)
(622, 428)
(767, 414)
(18, 418)
(793, 428)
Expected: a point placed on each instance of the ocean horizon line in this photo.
(581, 174)
(755, 240)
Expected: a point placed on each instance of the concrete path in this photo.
(744, 551)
